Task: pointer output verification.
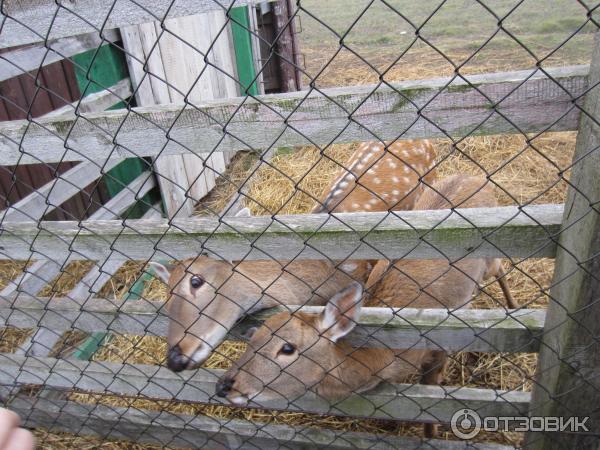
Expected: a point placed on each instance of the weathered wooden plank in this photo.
(136, 59)
(97, 277)
(486, 330)
(255, 40)
(155, 212)
(199, 43)
(27, 59)
(531, 101)
(50, 196)
(493, 330)
(477, 232)
(173, 181)
(567, 382)
(126, 198)
(145, 46)
(31, 282)
(97, 101)
(178, 430)
(26, 21)
(145, 58)
(402, 401)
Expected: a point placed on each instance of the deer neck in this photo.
(355, 370)
(360, 370)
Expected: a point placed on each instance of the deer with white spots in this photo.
(207, 296)
(295, 352)
(381, 177)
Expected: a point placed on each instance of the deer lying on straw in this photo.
(208, 296)
(292, 353)
(381, 178)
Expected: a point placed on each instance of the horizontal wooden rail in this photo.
(477, 232)
(495, 330)
(401, 401)
(483, 330)
(22, 60)
(98, 101)
(486, 104)
(177, 430)
(27, 21)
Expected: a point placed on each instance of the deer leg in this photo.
(432, 373)
(497, 271)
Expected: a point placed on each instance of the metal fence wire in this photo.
(362, 224)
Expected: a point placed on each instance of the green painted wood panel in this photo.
(240, 25)
(95, 71)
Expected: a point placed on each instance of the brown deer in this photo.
(292, 353)
(207, 296)
(381, 177)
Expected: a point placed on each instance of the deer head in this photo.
(291, 353)
(208, 296)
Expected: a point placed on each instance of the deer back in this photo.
(434, 283)
(381, 177)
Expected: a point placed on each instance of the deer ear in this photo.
(161, 271)
(341, 313)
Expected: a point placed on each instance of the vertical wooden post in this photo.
(568, 382)
(287, 46)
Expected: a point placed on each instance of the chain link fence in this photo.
(396, 250)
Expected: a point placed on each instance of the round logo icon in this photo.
(465, 424)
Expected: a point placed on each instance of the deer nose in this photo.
(176, 361)
(224, 386)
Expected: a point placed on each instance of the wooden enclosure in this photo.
(533, 101)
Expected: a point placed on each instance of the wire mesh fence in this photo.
(397, 250)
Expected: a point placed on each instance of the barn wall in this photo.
(55, 86)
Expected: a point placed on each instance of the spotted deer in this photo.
(381, 177)
(207, 296)
(294, 352)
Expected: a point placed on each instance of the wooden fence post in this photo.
(287, 47)
(567, 382)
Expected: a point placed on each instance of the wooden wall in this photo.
(26, 95)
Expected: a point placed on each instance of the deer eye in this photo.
(196, 281)
(287, 349)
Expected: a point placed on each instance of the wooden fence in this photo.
(525, 102)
